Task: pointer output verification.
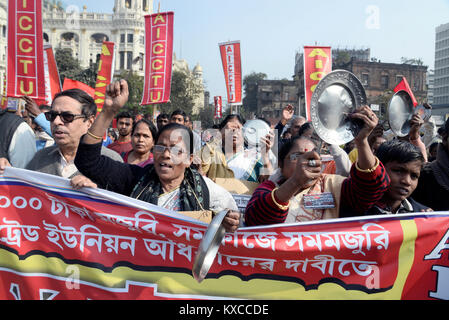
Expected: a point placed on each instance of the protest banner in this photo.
(25, 62)
(52, 79)
(218, 107)
(158, 57)
(232, 67)
(105, 73)
(317, 63)
(58, 243)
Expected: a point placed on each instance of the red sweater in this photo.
(359, 192)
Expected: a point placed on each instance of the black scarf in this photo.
(440, 167)
(193, 189)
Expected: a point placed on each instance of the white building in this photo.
(441, 76)
(83, 32)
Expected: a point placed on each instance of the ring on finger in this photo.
(312, 163)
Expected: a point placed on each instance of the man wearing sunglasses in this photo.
(72, 113)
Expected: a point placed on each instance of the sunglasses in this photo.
(65, 116)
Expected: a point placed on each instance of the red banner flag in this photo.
(52, 80)
(317, 63)
(105, 73)
(158, 57)
(25, 49)
(73, 84)
(218, 107)
(403, 85)
(232, 67)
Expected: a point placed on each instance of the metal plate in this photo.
(207, 251)
(254, 130)
(336, 96)
(400, 111)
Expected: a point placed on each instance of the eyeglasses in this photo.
(65, 116)
(174, 151)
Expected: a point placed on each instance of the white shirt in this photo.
(22, 147)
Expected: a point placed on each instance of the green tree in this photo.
(70, 67)
(135, 85)
(250, 84)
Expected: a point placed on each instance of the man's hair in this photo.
(162, 116)
(400, 151)
(187, 134)
(88, 106)
(124, 114)
(178, 112)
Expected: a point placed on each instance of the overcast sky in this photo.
(271, 32)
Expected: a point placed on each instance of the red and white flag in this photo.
(52, 80)
(158, 57)
(403, 85)
(25, 63)
(317, 63)
(218, 107)
(232, 67)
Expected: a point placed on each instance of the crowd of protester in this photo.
(163, 161)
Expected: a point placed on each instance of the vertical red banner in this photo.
(317, 63)
(232, 67)
(25, 63)
(52, 80)
(105, 73)
(218, 107)
(158, 57)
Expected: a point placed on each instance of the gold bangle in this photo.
(368, 170)
(280, 206)
(94, 136)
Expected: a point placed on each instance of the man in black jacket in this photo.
(433, 187)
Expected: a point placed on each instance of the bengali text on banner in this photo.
(317, 63)
(158, 57)
(232, 67)
(25, 62)
(54, 239)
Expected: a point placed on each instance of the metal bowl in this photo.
(209, 246)
(254, 130)
(400, 111)
(336, 96)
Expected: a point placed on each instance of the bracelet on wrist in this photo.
(94, 136)
(368, 170)
(280, 206)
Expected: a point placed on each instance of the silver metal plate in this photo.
(400, 111)
(207, 251)
(254, 130)
(336, 96)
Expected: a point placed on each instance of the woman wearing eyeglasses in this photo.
(299, 192)
(168, 183)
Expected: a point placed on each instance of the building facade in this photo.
(441, 75)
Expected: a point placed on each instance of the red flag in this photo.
(218, 107)
(403, 85)
(73, 84)
(105, 72)
(25, 49)
(52, 80)
(158, 58)
(317, 63)
(232, 67)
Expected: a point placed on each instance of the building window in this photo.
(129, 59)
(122, 60)
(384, 82)
(4, 31)
(130, 38)
(122, 38)
(365, 79)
